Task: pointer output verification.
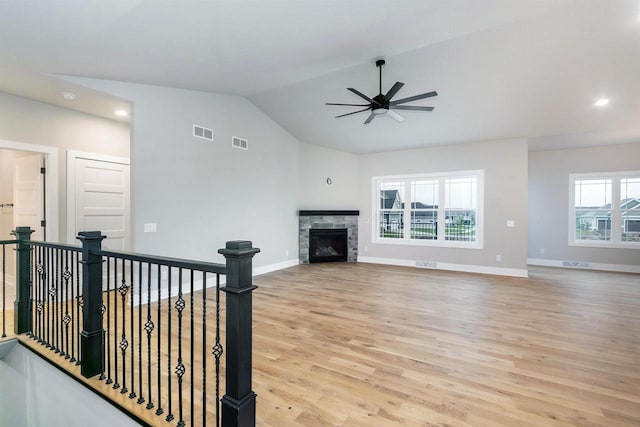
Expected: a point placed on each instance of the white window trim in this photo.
(616, 219)
(406, 240)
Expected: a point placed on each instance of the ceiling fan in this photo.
(382, 104)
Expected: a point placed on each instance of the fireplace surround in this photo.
(340, 221)
(328, 244)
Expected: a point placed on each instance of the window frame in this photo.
(617, 221)
(441, 241)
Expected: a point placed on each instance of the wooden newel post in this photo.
(91, 341)
(239, 402)
(22, 307)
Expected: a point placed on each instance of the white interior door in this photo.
(102, 200)
(28, 194)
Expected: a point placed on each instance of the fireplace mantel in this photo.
(328, 213)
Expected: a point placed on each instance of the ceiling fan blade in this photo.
(394, 89)
(371, 117)
(395, 115)
(354, 112)
(360, 94)
(351, 105)
(414, 98)
(411, 107)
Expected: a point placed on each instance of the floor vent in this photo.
(202, 132)
(575, 264)
(426, 264)
(240, 143)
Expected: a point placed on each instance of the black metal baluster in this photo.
(34, 289)
(140, 388)
(148, 327)
(124, 344)
(102, 310)
(159, 411)
(32, 292)
(217, 350)
(41, 295)
(115, 323)
(73, 313)
(67, 319)
(47, 280)
(180, 370)
(79, 315)
(56, 298)
(170, 415)
(131, 316)
(4, 289)
(108, 328)
(192, 342)
(204, 348)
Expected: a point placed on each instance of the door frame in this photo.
(51, 179)
(72, 155)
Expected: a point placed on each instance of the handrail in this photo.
(8, 242)
(63, 246)
(208, 267)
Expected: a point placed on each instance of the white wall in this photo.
(549, 203)
(31, 122)
(202, 193)
(316, 165)
(505, 166)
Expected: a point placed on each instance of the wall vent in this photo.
(240, 143)
(202, 132)
(426, 264)
(575, 264)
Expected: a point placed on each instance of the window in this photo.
(605, 209)
(429, 209)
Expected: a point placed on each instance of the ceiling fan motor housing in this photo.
(380, 104)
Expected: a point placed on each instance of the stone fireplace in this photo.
(338, 226)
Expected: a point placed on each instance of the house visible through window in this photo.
(430, 209)
(605, 209)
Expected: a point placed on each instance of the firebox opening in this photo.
(327, 245)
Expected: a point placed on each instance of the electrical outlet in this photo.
(541, 251)
(499, 258)
(366, 248)
(286, 252)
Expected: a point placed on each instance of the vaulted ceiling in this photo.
(502, 68)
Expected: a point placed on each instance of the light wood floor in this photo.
(369, 345)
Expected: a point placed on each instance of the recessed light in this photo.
(121, 113)
(69, 96)
(602, 102)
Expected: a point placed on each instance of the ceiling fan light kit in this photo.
(382, 104)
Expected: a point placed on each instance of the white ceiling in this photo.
(503, 68)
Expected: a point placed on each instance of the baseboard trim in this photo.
(257, 271)
(618, 268)
(479, 269)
